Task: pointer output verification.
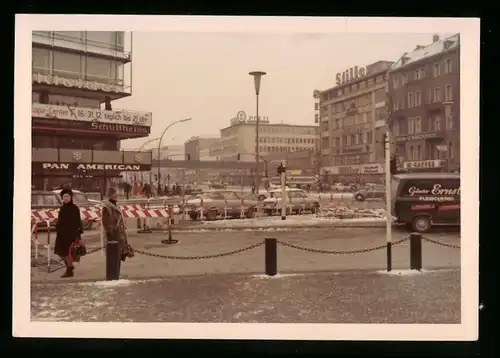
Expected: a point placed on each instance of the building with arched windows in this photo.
(76, 131)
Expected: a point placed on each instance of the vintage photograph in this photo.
(239, 177)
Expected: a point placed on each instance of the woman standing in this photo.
(69, 228)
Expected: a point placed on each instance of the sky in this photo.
(204, 76)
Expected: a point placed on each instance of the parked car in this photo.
(339, 187)
(219, 203)
(421, 200)
(298, 200)
(82, 200)
(45, 200)
(374, 191)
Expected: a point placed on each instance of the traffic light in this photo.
(280, 169)
(393, 164)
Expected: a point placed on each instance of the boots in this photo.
(69, 272)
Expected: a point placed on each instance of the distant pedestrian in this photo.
(127, 188)
(113, 225)
(69, 229)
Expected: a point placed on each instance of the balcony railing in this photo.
(89, 156)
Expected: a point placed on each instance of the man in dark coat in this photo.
(113, 224)
(69, 228)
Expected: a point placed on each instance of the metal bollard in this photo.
(113, 260)
(170, 240)
(271, 256)
(49, 253)
(415, 251)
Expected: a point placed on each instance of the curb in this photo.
(134, 279)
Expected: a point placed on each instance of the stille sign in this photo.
(75, 83)
(350, 74)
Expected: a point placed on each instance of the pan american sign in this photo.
(90, 167)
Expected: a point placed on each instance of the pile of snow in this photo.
(343, 212)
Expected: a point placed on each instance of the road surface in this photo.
(346, 297)
(290, 260)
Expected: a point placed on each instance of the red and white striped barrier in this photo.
(95, 213)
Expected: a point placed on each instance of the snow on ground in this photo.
(411, 272)
(344, 212)
(295, 220)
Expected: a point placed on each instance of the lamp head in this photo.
(257, 75)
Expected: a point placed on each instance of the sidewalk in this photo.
(347, 297)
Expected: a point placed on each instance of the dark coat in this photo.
(113, 225)
(69, 228)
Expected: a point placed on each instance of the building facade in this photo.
(424, 96)
(76, 132)
(274, 138)
(353, 115)
(200, 148)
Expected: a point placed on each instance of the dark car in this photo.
(421, 200)
(374, 191)
(45, 200)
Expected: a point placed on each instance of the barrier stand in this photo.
(147, 222)
(271, 256)
(302, 208)
(225, 208)
(416, 251)
(242, 209)
(34, 231)
(48, 246)
(201, 209)
(102, 238)
(170, 240)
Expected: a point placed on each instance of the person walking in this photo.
(68, 228)
(113, 225)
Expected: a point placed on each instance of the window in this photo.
(101, 70)
(101, 38)
(337, 142)
(437, 95)
(357, 139)
(418, 154)
(429, 96)
(73, 36)
(41, 60)
(437, 123)
(410, 153)
(348, 140)
(448, 93)
(418, 125)
(419, 74)
(395, 129)
(395, 82)
(449, 120)
(436, 69)
(450, 151)
(404, 79)
(67, 64)
(395, 105)
(448, 66)
(364, 138)
(410, 100)
(418, 98)
(411, 125)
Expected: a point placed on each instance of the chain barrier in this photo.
(441, 243)
(342, 252)
(213, 256)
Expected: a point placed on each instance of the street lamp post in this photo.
(161, 138)
(257, 76)
(141, 148)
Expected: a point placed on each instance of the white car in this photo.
(298, 201)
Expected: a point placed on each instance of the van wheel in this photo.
(211, 215)
(194, 216)
(421, 223)
(359, 197)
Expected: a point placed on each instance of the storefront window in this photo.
(102, 70)
(101, 38)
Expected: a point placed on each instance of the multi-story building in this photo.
(199, 148)
(424, 96)
(274, 138)
(74, 141)
(352, 117)
(174, 152)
